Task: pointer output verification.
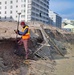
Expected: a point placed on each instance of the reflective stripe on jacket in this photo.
(27, 35)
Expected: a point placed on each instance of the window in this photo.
(16, 0)
(10, 17)
(5, 7)
(32, 18)
(0, 3)
(11, 7)
(0, 7)
(16, 6)
(11, 2)
(22, 15)
(23, 0)
(5, 17)
(16, 16)
(29, 16)
(33, 13)
(16, 11)
(40, 14)
(37, 15)
(10, 12)
(5, 2)
(33, 3)
(29, 0)
(23, 5)
(37, 10)
(29, 10)
(22, 10)
(29, 5)
(5, 12)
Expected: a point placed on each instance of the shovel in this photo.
(17, 48)
(18, 24)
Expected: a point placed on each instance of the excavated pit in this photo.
(10, 60)
(12, 64)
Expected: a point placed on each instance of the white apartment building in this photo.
(30, 10)
(55, 19)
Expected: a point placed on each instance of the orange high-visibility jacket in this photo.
(27, 35)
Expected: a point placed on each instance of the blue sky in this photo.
(65, 8)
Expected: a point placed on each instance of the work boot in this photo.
(28, 54)
(27, 62)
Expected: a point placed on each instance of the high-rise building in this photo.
(30, 10)
(55, 19)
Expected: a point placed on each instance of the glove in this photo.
(16, 31)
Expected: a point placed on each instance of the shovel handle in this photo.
(18, 24)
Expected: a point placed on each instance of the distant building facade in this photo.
(30, 10)
(55, 19)
(67, 21)
(68, 27)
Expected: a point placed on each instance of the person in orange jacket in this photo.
(25, 34)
